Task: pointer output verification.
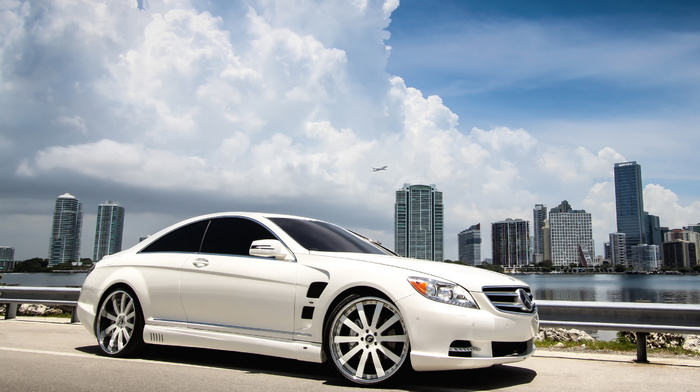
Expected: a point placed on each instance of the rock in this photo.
(37, 310)
(692, 343)
(563, 335)
(657, 340)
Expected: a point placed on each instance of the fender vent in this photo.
(307, 312)
(316, 289)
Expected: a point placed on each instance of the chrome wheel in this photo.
(119, 324)
(367, 339)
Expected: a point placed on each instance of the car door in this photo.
(224, 289)
(160, 266)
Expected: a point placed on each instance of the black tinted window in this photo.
(233, 236)
(325, 237)
(184, 239)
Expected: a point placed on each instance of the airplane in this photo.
(376, 169)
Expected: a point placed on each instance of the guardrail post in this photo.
(74, 314)
(10, 311)
(641, 347)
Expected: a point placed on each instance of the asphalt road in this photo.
(53, 355)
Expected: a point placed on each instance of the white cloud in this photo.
(75, 123)
(664, 203)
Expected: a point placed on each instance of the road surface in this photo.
(39, 354)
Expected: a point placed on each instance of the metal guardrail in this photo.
(640, 318)
(53, 296)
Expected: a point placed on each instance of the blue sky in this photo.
(542, 65)
(193, 106)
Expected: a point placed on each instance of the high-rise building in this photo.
(678, 235)
(419, 222)
(571, 236)
(695, 228)
(629, 204)
(679, 251)
(108, 230)
(653, 233)
(510, 242)
(618, 249)
(539, 215)
(547, 237)
(7, 253)
(646, 258)
(64, 245)
(7, 258)
(469, 244)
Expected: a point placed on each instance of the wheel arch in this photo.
(357, 290)
(114, 286)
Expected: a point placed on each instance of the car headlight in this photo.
(445, 292)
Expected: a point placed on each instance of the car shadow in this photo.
(495, 377)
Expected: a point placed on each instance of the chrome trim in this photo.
(221, 326)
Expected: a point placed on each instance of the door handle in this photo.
(199, 263)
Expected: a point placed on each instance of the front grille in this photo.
(517, 299)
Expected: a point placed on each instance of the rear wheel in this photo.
(366, 339)
(119, 324)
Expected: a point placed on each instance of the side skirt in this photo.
(187, 337)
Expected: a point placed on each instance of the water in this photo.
(44, 279)
(679, 289)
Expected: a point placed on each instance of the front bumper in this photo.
(87, 303)
(478, 337)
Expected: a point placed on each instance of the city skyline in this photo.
(286, 106)
(570, 231)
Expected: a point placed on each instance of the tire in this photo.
(119, 324)
(366, 340)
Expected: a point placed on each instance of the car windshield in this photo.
(324, 237)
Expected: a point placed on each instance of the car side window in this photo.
(233, 236)
(185, 239)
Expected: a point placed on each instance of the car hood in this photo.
(471, 278)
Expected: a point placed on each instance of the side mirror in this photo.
(269, 248)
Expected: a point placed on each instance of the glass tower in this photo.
(419, 222)
(108, 231)
(469, 244)
(64, 245)
(629, 204)
(539, 215)
(510, 242)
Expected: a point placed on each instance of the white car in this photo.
(305, 289)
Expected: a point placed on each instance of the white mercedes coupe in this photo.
(301, 288)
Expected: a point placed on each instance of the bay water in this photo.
(679, 289)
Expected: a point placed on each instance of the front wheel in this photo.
(367, 340)
(119, 324)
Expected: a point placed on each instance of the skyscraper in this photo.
(509, 241)
(539, 215)
(629, 204)
(108, 231)
(469, 245)
(571, 236)
(618, 249)
(418, 222)
(7, 258)
(64, 245)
